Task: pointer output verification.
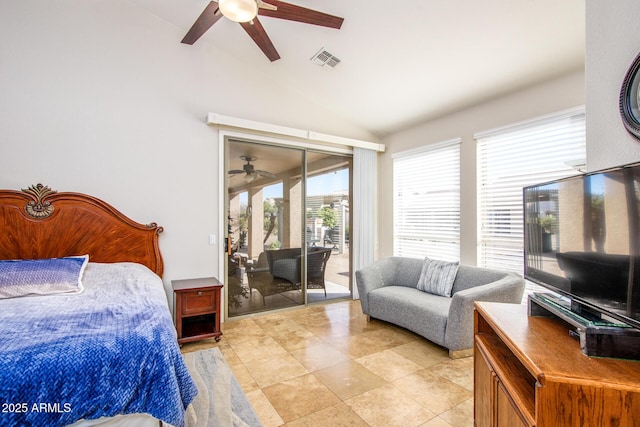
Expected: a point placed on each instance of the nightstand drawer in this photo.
(198, 302)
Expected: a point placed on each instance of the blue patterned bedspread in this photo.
(107, 351)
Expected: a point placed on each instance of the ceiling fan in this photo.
(250, 172)
(246, 13)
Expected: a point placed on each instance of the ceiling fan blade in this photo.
(209, 16)
(259, 35)
(235, 172)
(265, 174)
(293, 12)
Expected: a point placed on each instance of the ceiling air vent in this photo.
(324, 58)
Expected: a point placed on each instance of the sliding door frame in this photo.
(225, 137)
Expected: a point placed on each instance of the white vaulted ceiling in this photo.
(405, 61)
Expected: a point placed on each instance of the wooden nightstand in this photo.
(196, 305)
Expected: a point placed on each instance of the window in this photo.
(426, 202)
(514, 157)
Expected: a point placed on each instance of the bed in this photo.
(103, 353)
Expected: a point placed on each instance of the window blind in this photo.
(426, 202)
(514, 157)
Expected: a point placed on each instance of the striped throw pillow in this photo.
(437, 276)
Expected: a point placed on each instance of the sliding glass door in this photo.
(328, 217)
(264, 248)
(288, 227)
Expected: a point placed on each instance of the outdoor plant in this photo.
(328, 216)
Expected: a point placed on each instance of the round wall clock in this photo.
(630, 99)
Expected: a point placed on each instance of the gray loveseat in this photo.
(388, 291)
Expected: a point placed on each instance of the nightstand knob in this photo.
(199, 293)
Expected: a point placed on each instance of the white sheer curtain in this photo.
(364, 210)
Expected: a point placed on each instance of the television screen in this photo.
(582, 240)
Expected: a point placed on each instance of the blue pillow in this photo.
(42, 276)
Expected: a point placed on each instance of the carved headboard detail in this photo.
(39, 222)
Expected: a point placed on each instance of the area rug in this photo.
(220, 401)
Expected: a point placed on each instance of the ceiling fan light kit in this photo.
(239, 10)
(246, 13)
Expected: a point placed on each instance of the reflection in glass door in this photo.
(265, 256)
(327, 225)
(288, 236)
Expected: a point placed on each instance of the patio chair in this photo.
(259, 277)
(286, 264)
(331, 238)
(317, 259)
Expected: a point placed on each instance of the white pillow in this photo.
(437, 276)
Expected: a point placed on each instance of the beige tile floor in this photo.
(325, 365)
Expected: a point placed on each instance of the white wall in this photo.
(549, 97)
(100, 97)
(612, 43)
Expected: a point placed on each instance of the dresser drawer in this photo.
(198, 302)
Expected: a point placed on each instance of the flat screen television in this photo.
(582, 241)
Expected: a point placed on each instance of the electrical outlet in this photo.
(212, 239)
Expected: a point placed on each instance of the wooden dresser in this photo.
(530, 372)
(196, 306)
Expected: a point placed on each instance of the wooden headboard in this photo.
(39, 222)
